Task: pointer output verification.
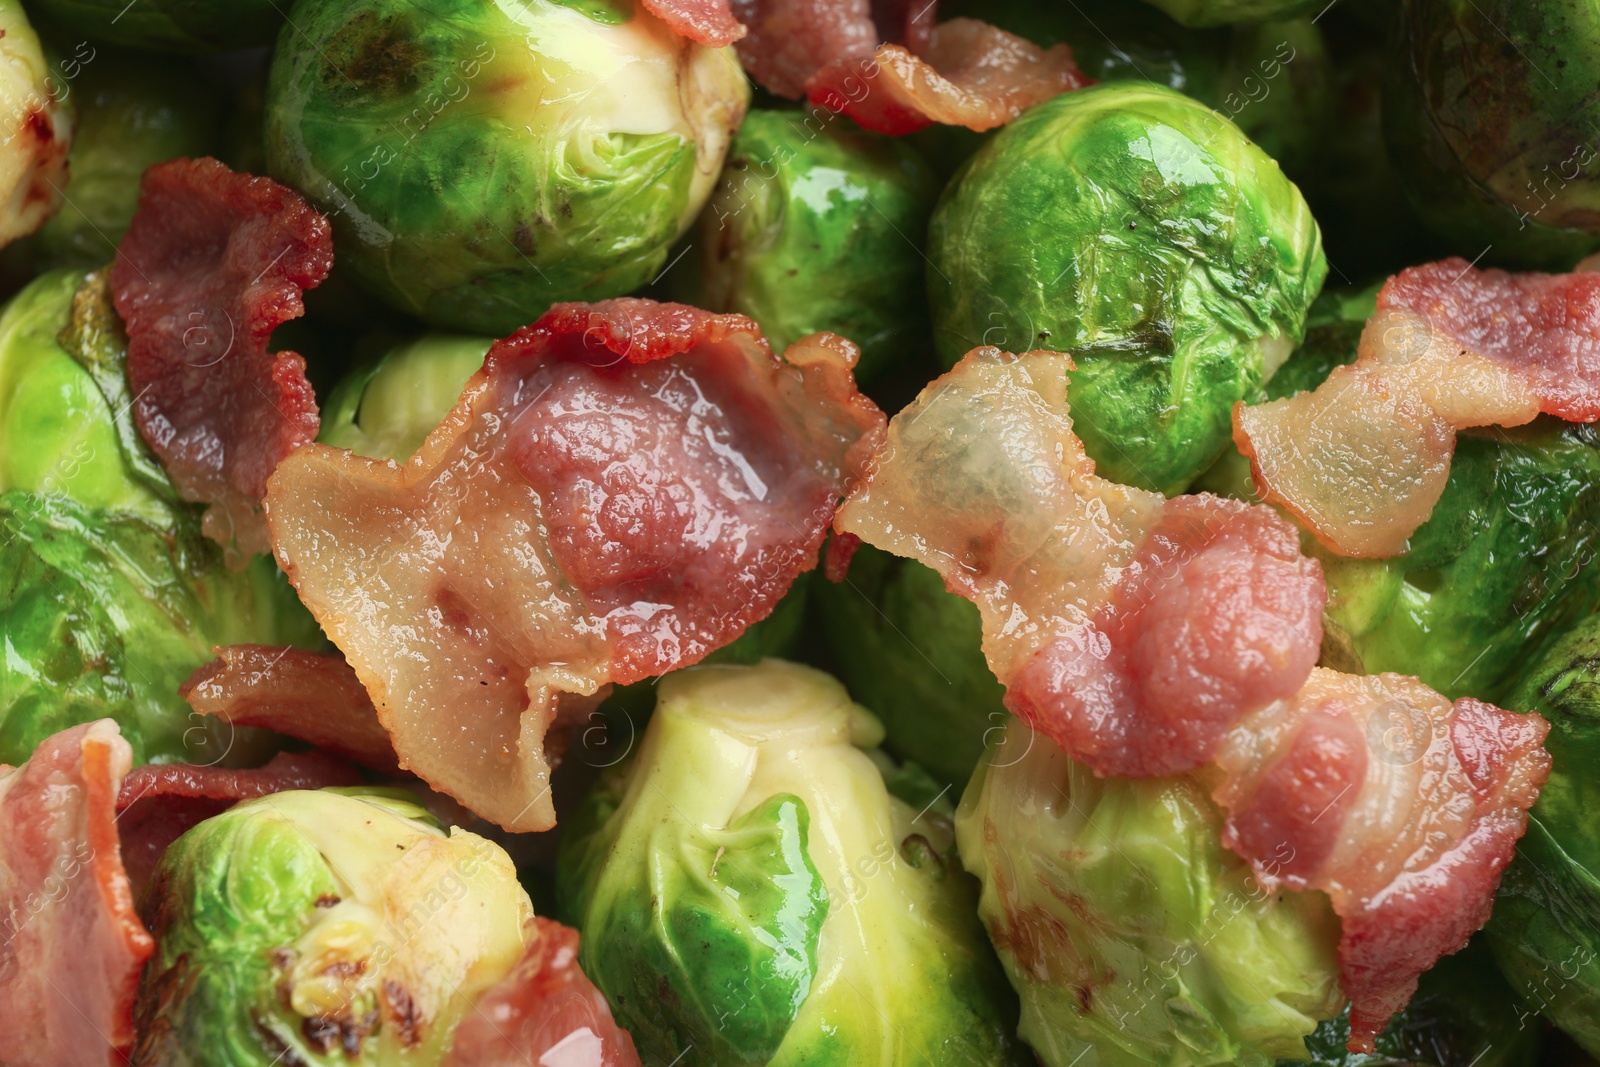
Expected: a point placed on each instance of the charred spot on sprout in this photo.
(374, 53)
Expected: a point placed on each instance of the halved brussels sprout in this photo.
(1133, 935)
(323, 927)
(387, 409)
(132, 112)
(748, 886)
(36, 121)
(483, 160)
(911, 652)
(182, 26)
(109, 594)
(1545, 931)
(1146, 235)
(1490, 114)
(810, 231)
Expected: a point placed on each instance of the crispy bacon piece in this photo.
(622, 488)
(972, 74)
(312, 696)
(710, 22)
(71, 944)
(545, 1011)
(158, 803)
(1150, 636)
(1403, 807)
(891, 69)
(1133, 630)
(213, 262)
(1363, 459)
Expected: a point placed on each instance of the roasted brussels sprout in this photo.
(323, 927)
(1132, 934)
(1090, 225)
(36, 121)
(911, 652)
(109, 594)
(182, 26)
(1490, 115)
(1463, 1015)
(387, 409)
(132, 112)
(813, 231)
(748, 886)
(1545, 931)
(1222, 12)
(481, 161)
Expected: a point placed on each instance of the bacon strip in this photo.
(213, 262)
(1132, 630)
(159, 803)
(891, 69)
(546, 1011)
(312, 696)
(622, 489)
(71, 944)
(1149, 637)
(1363, 459)
(710, 22)
(1403, 807)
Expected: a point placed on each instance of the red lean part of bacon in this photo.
(1148, 636)
(213, 262)
(71, 946)
(710, 22)
(1404, 808)
(545, 1011)
(158, 803)
(623, 488)
(891, 69)
(311, 696)
(1363, 459)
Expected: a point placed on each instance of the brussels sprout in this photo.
(1546, 926)
(323, 927)
(132, 113)
(813, 231)
(1222, 12)
(747, 886)
(1490, 115)
(1463, 1015)
(387, 409)
(35, 126)
(911, 651)
(182, 26)
(109, 594)
(1132, 934)
(481, 161)
(1136, 229)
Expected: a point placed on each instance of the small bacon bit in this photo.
(710, 22)
(545, 1011)
(71, 944)
(1363, 459)
(1132, 630)
(213, 262)
(972, 74)
(159, 803)
(623, 488)
(789, 42)
(311, 696)
(1403, 807)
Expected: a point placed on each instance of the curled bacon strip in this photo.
(545, 1011)
(622, 488)
(1149, 636)
(889, 68)
(1363, 459)
(213, 262)
(710, 22)
(311, 696)
(72, 946)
